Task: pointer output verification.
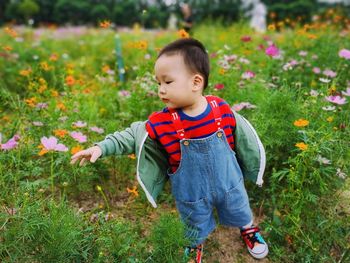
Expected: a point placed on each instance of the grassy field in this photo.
(292, 84)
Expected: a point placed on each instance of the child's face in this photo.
(176, 82)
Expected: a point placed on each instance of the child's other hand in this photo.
(91, 154)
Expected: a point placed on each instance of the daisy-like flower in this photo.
(97, 130)
(344, 53)
(124, 93)
(323, 160)
(302, 53)
(78, 136)
(329, 73)
(314, 93)
(301, 123)
(347, 92)
(340, 174)
(10, 144)
(316, 70)
(246, 38)
(248, 75)
(37, 123)
(336, 99)
(302, 146)
(51, 144)
(329, 108)
(272, 51)
(243, 105)
(182, 33)
(105, 24)
(324, 80)
(79, 124)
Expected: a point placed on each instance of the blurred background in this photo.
(167, 13)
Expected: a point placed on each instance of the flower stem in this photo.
(52, 175)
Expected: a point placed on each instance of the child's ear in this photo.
(198, 82)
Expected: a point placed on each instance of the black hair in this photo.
(194, 54)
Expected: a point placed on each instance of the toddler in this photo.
(194, 142)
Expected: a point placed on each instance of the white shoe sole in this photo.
(259, 255)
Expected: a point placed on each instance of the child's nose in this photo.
(161, 89)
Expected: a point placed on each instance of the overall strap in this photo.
(177, 123)
(216, 110)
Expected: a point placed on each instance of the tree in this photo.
(28, 8)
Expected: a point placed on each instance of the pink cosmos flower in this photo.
(272, 51)
(124, 93)
(51, 144)
(79, 124)
(314, 93)
(336, 99)
(97, 129)
(41, 105)
(302, 53)
(10, 144)
(230, 58)
(243, 105)
(347, 92)
(78, 136)
(344, 53)
(219, 86)
(329, 73)
(316, 70)
(248, 75)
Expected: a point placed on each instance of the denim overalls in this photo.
(208, 176)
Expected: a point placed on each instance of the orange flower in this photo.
(105, 24)
(6, 118)
(45, 66)
(54, 93)
(76, 149)
(53, 57)
(106, 68)
(10, 32)
(142, 44)
(132, 156)
(31, 102)
(70, 81)
(222, 71)
(60, 133)
(61, 106)
(25, 72)
(301, 123)
(42, 151)
(182, 33)
(7, 48)
(133, 191)
(271, 27)
(42, 89)
(302, 146)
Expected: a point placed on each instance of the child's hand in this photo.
(91, 154)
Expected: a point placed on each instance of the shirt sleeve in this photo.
(151, 131)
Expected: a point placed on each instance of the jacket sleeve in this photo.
(122, 142)
(249, 150)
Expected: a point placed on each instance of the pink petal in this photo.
(61, 148)
(49, 143)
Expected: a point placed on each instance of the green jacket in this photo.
(152, 164)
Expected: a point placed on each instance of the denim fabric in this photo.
(209, 177)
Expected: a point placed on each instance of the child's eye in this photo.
(168, 82)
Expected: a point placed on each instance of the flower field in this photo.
(62, 89)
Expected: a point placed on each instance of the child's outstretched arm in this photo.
(91, 154)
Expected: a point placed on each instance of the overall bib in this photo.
(208, 177)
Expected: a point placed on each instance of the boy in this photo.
(192, 140)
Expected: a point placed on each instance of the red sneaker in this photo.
(256, 245)
(194, 255)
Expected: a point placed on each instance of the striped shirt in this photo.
(160, 127)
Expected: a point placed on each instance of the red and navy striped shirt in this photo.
(160, 127)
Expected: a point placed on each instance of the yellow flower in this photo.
(330, 119)
(25, 72)
(132, 156)
(271, 27)
(302, 146)
(222, 71)
(45, 66)
(182, 33)
(301, 123)
(98, 188)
